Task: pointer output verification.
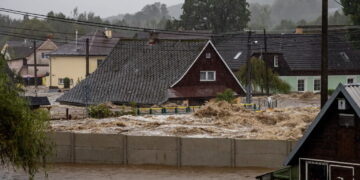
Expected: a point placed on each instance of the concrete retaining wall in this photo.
(169, 151)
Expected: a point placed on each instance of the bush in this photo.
(100, 111)
(330, 91)
(66, 82)
(228, 95)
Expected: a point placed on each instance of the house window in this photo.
(61, 81)
(301, 85)
(207, 76)
(99, 62)
(276, 61)
(350, 80)
(208, 55)
(44, 56)
(317, 85)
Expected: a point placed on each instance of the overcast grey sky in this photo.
(104, 8)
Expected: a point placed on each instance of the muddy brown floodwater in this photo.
(112, 172)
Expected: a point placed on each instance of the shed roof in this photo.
(302, 52)
(136, 72)
(38, 101)
(352, 95)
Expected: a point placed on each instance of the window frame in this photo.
(351, 77)
(276, 61)
(207, 76)
(316, 79)
(61, 81)
(208, 55)
(97, 62)
(297, 83)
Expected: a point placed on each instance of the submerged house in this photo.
(155, 73)
(329, 149)
(20, 58)
(69, 61)
(296, 57)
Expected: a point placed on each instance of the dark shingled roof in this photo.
(99, 45)
(136, 72)
(38, 101)
(301, 51)
(351, 93)
(21, 49)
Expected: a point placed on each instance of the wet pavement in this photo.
(113, 172)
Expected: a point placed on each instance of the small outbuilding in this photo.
(330, 148)
(37, 102)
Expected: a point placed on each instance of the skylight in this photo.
(345, 56)
(238, 55)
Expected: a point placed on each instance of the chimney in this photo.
(153, 38)
(108, 33)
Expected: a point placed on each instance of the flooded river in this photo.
(112, 172)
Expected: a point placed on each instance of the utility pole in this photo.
(266, 66)
(324, 53)
(87, 57)
(248, 71)
(35, 68)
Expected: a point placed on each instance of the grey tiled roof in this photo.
(136, 72)
(300, 51)
(21, 49)
(99, 45)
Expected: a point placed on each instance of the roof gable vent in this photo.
(342, 105)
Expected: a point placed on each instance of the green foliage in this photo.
(260, 16)
(286, 24)
(217, 16)
(260, 74)
(23, 139)
(228, 95)
(99, 111)
(331, 91)
(352, 8)
(66, 82)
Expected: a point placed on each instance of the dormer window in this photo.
(208, 55)
(276, 61)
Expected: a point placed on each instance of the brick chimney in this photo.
(153, 38)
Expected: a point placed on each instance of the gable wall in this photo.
(224, 78)
(330, 141)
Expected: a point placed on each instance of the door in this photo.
(341, 173)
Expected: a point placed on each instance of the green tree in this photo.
(215, 15)
(352, 8)
(228, 95)
(260, 16)
(23, 140)
(260, 74)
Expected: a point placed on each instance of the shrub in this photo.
(100, 111)
(66, 82)
(228, 95)
(330, 91)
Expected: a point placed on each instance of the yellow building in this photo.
(69, 61)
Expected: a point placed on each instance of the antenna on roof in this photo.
(76, 39)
